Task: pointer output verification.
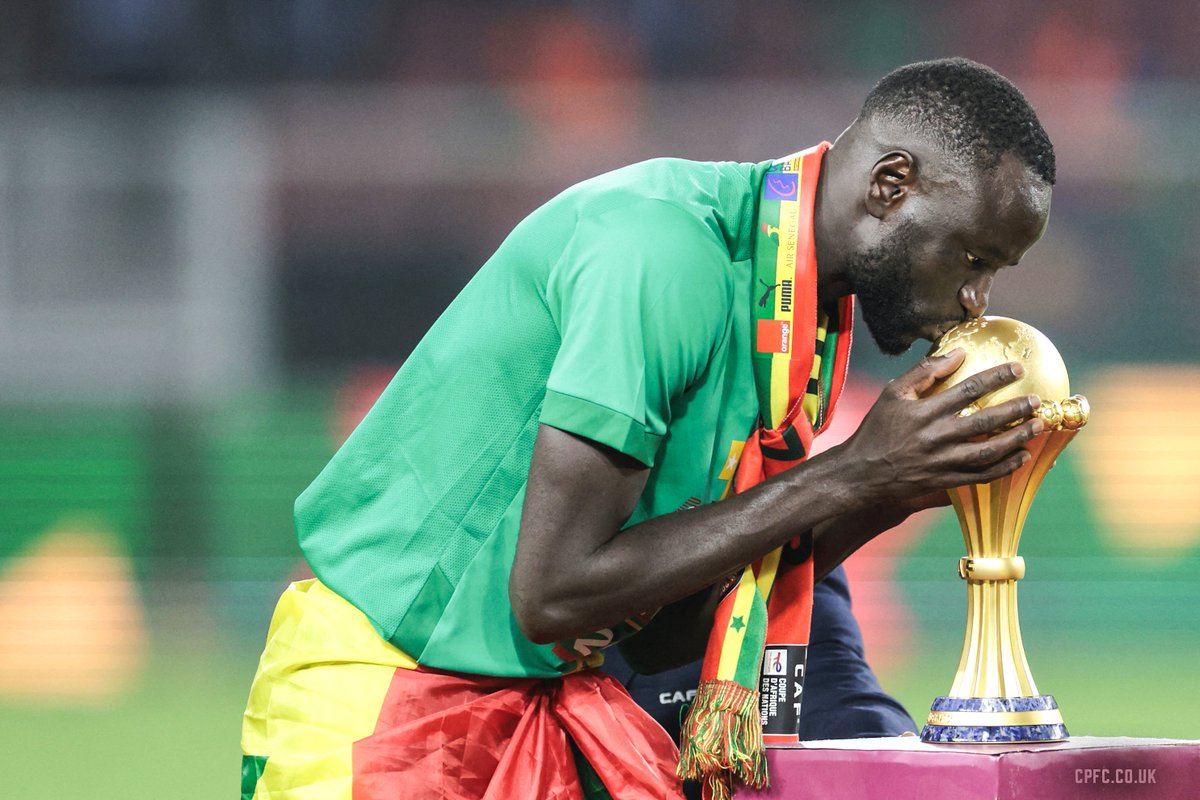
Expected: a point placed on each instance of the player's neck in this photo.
(831, 228)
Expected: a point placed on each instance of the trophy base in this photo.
(985, 720)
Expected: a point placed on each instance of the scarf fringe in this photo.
(722, 739)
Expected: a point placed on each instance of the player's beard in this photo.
(883, 286)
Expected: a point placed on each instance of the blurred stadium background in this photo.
(223, 225)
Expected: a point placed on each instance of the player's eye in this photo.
(973, 259)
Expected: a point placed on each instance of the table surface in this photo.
(898, 768)
(913, 744)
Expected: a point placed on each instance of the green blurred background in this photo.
(222, 227)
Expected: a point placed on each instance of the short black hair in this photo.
(968, 109)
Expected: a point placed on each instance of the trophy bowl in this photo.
(992, 341)
(993, 697)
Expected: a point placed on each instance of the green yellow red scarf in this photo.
(753, 675)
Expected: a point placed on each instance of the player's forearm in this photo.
(836, 539)
(678, 634)
(664, 559)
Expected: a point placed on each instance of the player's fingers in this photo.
(993, 418)
(981, 454)
(976, 386)
(928, 371)
(1001, 468)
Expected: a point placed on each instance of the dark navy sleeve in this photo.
(842, 696)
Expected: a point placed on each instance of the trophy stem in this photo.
(993, 660)
(994, 697)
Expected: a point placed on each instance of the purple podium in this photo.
(905, 767)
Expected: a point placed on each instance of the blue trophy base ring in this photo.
(986, 720)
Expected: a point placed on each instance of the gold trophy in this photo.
(994, 698)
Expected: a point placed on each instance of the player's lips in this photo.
(935, 332)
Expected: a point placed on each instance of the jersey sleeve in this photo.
(641, 297)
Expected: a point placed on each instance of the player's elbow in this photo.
(541, 619)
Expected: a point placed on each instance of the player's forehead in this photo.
(1002, 208)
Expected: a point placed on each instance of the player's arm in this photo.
(576, 570)
(679, 633)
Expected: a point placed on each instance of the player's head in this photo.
(972, 112)
(950, 181)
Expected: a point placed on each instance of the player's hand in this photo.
(909, 446)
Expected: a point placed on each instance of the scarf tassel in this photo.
(722, 739)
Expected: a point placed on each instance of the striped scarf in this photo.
(753, 675)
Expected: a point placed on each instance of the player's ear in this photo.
(891, 179)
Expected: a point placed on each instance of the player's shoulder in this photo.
(671, 194)
(677, 179)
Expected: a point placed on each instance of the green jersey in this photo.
(618, 311)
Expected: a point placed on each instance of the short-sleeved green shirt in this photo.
(618, 311)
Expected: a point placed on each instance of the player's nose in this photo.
(973, 296)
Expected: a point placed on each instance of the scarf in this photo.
(752, 680)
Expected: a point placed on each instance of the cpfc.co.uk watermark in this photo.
(1122, 775)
